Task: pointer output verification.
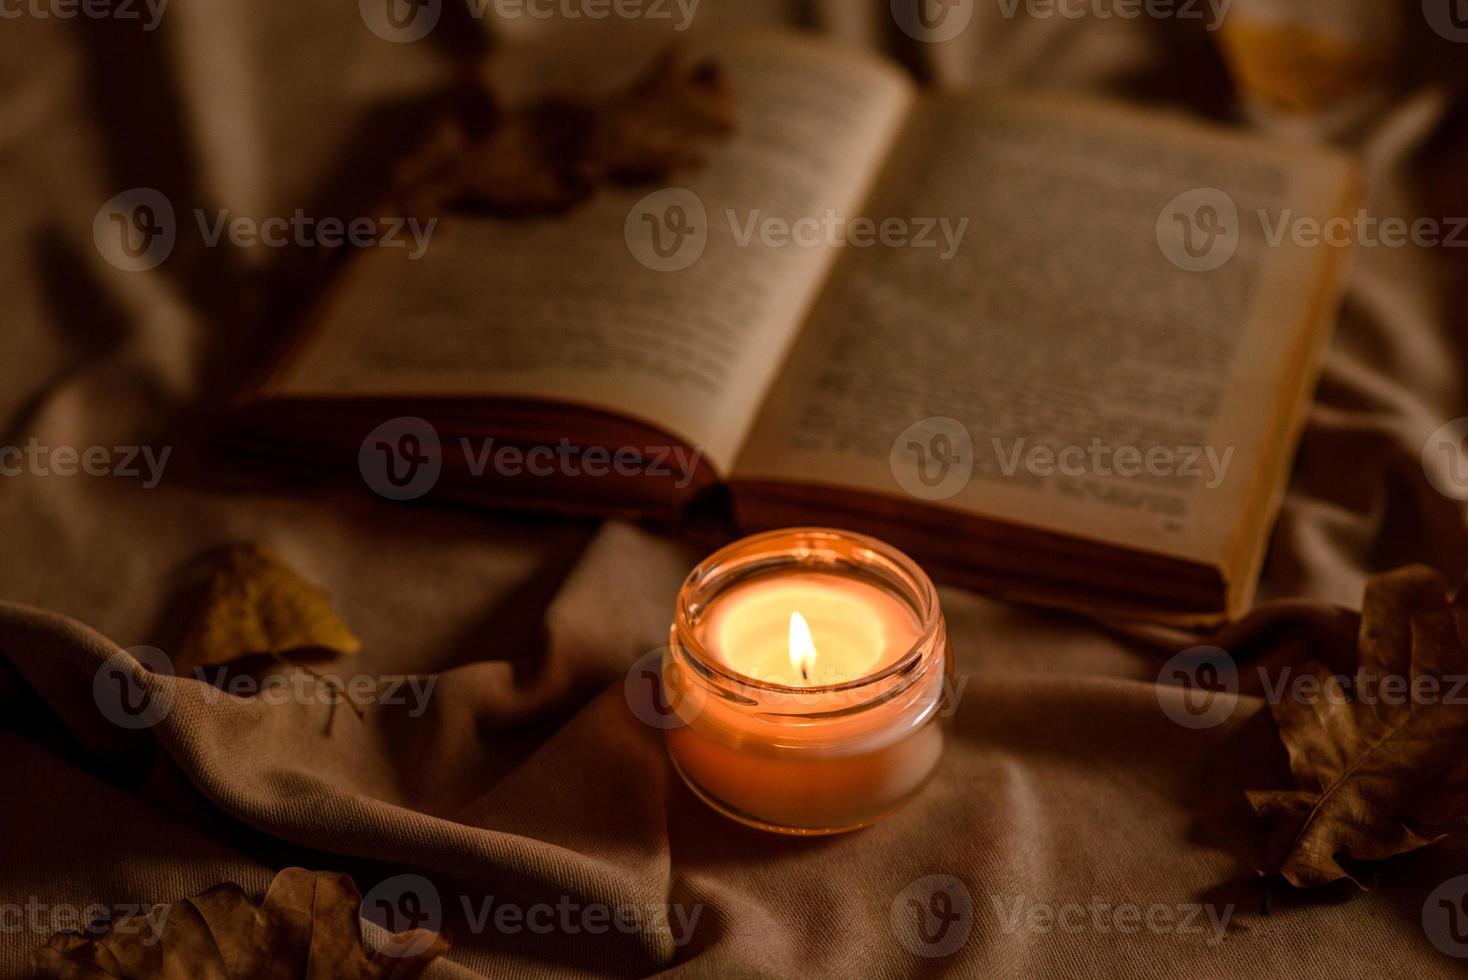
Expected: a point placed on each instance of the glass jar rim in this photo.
(905, 578)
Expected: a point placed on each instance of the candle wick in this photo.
(805, 673)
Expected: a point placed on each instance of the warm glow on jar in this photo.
(809, 670)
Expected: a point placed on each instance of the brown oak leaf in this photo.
(1379, 759)
(256, 605)
(548, 156)
(307, 926)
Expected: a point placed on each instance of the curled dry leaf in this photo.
(546, 157)
(256, 605)
(307, 926)
(1379, 762)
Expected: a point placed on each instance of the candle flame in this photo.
(802, 646)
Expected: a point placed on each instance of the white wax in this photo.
(857, 628)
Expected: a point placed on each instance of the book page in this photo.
(1105, 351)
(669, 305)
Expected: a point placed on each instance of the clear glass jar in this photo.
(814, 757)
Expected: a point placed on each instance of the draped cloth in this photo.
(1075, 826)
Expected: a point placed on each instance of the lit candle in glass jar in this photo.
(807, 668)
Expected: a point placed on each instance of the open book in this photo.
(1055, 349)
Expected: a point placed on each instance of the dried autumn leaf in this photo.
(307, 926)
(549, 156)
(530, 164)
(661, 123)
(256, 605)
(1381, 769)
(1297, 68)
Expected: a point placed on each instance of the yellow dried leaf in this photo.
(549, 156)
(1296, 68)
(256, 605)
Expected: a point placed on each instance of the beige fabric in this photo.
(527, 778)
